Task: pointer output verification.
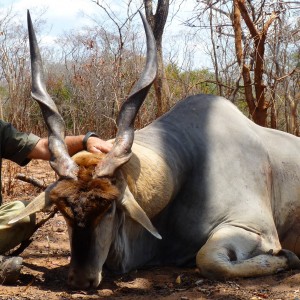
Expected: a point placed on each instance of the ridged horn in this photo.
(60, 160)
(121, 150)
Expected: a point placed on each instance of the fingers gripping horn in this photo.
(121, 150)
(60, 160)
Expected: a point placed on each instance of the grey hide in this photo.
(235, 196)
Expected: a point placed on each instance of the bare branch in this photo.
(35, 182)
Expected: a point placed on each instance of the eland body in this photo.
(202, 185)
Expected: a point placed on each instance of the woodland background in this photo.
(253, 46)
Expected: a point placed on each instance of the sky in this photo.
(65, 15)
(60, 15)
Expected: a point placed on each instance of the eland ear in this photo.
(133, 209)
(39, 203)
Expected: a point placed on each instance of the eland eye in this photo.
(110, 210)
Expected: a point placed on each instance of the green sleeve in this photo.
(16, 145)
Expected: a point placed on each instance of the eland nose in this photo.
(77, 279)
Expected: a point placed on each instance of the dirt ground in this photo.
(46, 265)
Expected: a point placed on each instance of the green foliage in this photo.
(202, 80)
(58, 89)
(184, 83)
(242, 105)
(3, 92)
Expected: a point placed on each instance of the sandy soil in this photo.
(46, 265)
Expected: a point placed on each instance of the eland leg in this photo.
(233, 252)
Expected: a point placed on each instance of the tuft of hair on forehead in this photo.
(85, 158)
(85, 200)
(87, 162)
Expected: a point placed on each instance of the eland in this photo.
(201, 185)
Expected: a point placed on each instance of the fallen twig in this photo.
(35, 182)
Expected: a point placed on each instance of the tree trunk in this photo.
(257, 103)
(157, 22)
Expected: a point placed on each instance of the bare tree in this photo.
(251, 28)
(13, 53)
(255, 98)
(14, 70)
(158, 21)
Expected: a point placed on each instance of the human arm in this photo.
(74, 145)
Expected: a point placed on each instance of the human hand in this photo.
(96, 145)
